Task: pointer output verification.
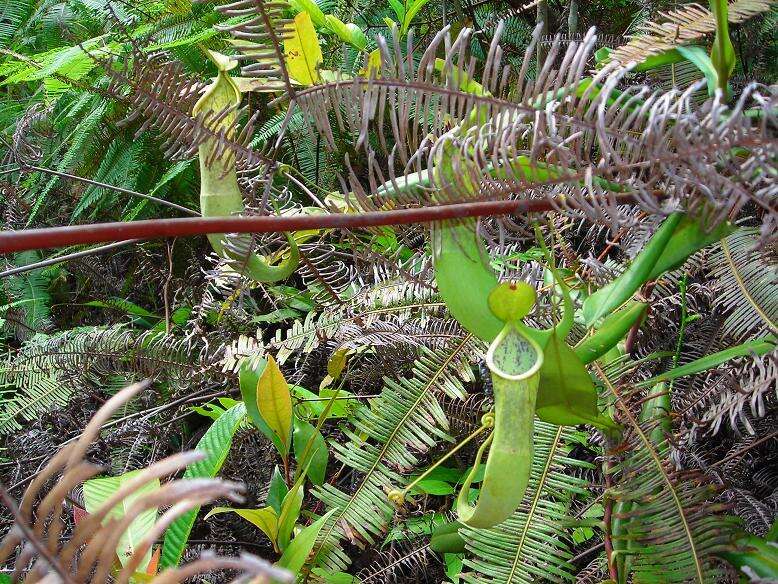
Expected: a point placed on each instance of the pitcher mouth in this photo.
(509, 329)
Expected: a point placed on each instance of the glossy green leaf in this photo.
(215, 443)
(313, 10)
(756, 347)
(349, 33)
(690, 236)
(617, 292)
(446, 539)
(248, 377)
(96, 494)
(433, 487)
(334, 577)
(700, 59)
(310, 450)
(290, 511)
(612, 330)
(274, 403)
(566, 393)
(277, 490)
(295, 555)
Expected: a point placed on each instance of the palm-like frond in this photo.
(406, 419)
(745, 286)
(672, 527)
(48, 369)
(561, 132)
(532, 544)
(681, 26)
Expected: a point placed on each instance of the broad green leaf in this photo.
(700, 59)
(290, 511)
(277, 490)
(756, 347)
(334, 577)
(265, 519)
(293, 558)
(446, 539)
(310, 450)
(349, 33)
(566, 393)
(616, 293)
(612, 330)
(274, 403)
(302, 50)
(341, 407)
(248, 377)
(690, 236)
(215, 443)
(433, 487)
(98, 491)
(313, 10)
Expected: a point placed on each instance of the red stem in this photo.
(13, 241)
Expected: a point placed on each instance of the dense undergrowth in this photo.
(322, 373)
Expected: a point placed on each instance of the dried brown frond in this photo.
(260, 38)
(562, 136)
(158, 92)
(87, 555)
(680, 27)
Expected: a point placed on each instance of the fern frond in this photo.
(745, 286)
(532, 544)
(399, 299)
(29, 294)
(561, 132)
(48, 369)
(674, 529)
(682, 26)
(260, 38)
(404, 420)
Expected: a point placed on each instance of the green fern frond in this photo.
(119, 167)
(46, 370)
(746, 283)
(29, 293)
(672, 527)
(406, 418)
(398, 299)
(532, 544)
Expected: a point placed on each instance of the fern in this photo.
(532, 544)
(406, 418)
(29, 294)
(46, 370)
(746, 282)
(681, 27)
